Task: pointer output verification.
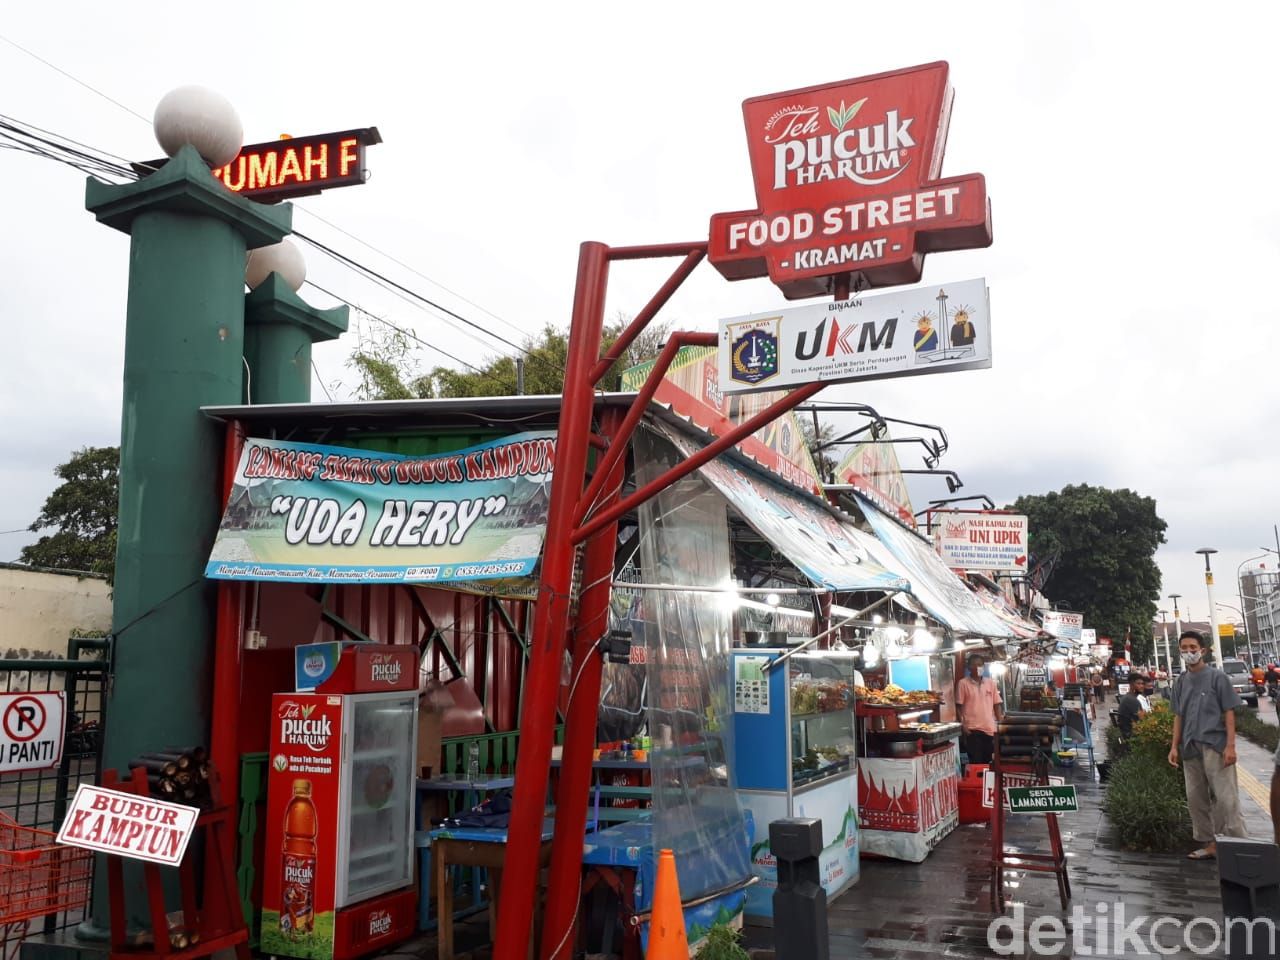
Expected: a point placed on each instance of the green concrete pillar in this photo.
(184, 347)
(280, 328)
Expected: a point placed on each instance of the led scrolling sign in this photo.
(295, 166)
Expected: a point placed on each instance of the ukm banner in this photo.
(313, 514)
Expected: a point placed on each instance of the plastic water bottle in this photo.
(473, 768)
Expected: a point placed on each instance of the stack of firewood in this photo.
(178, 775)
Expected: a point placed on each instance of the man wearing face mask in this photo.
(1204, 739)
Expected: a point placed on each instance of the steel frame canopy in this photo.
(584, 514)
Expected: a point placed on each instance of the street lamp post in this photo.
(1213, 607)
(1177, 622)
(1164, 628)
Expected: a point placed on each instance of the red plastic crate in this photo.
(970, 795)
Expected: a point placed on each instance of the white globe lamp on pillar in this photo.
(283, 258)
(203, 118)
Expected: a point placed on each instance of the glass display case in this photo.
(795, 756)
(822, 725)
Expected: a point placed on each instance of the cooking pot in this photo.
(905, 748)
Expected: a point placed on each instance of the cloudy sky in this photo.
(1131, 280)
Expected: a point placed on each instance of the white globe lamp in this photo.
(283, 258)
(203, 118)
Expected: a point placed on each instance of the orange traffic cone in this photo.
(667, 938)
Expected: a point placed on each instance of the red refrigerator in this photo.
(339, 848)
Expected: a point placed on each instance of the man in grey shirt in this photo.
(1275, 796)
(1204, 737)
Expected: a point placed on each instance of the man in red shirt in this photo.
(979, 706)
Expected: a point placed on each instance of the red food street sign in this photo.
(847, 179)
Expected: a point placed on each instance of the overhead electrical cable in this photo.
(411, 269)
(409, 334)
(75, 79)
(98, 163)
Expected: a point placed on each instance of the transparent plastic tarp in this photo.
(812, 538)
(685, 541)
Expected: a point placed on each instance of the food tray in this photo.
(865, 709)
(799, 777)
(934, 737)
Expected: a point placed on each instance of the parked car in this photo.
(1237, 672)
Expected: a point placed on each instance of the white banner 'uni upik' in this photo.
(981, 541)
(903, 334)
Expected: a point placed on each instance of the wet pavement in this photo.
(941, 908)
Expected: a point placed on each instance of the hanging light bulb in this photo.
(772, 599)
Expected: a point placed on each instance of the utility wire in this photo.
(404, 332)
(320, 380)
(93, 163)
(75, 79)
(146, 120)
(411, 269)
(356, 265)
(416, 298)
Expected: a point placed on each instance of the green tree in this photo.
(1105, 541)
(81, 512)
(386, 362)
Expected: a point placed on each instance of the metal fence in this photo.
(39, 798)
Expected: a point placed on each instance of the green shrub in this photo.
(722, 944)
(1147, 805)
(1146, 799)
(1113, 742)
(1258, 731)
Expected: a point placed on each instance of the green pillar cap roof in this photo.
(186, 185)
(273, 302)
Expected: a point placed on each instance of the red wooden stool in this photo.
(215, 924)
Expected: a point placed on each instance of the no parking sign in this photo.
(31, 729)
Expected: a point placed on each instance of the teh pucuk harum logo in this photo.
(870, 155)
(753, 355)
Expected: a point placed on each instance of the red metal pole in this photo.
(707, 453)
(580, 723)
(637, 325)
(551, 615)
(618, 443)
(656, 251)
(224, 734)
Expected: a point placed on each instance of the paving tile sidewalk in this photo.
(941, 908)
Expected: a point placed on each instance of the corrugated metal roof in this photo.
(410, 427)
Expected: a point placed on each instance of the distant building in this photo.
(40, 607)
(1259, 587)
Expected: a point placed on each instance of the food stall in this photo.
(908, 771)
(794, 753)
